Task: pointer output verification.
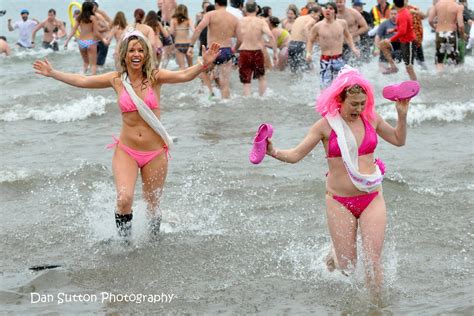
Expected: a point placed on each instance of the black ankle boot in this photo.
(124, 224)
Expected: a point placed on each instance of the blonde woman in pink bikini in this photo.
(349, 131)
(140, 146)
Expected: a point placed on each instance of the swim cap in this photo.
(23, 11)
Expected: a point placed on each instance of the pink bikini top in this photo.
(126, 104)
(368, 145)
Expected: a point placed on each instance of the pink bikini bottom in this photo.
(141, 157)
(356, 204)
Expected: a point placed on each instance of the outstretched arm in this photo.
(395, 135)
(44, 67)
(293, 155)
(348, 38)
(188, 74)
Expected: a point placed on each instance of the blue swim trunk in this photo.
(225, 54)
(330, 67)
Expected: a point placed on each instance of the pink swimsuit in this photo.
(126, 105)
(355, 204)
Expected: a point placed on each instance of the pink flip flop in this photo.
(259, 149)
(401, 91)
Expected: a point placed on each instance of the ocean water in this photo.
(237, 238)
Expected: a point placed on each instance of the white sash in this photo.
(146, 113)
(350, 155)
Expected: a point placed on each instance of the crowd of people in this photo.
(247, 32)
(240, 36)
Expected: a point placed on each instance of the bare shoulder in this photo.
(321, 127)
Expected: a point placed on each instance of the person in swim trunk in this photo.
(330, 33)
(352, 202)
(222, 27)
(250, 40)
(139, 147)
(406, 36)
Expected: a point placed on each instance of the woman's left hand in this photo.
(210, 54)
(402, 106)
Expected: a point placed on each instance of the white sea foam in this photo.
(74, 110)
(419, 113)
(7, 175)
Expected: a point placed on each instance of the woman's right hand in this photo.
(43, 67)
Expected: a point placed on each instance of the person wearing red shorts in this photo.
(251, 43)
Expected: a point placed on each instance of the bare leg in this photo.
(180, 59)
(189, 59)
(92, 53)
(387, 52)
(343, 229)
(372, 226)
(247, 89)
(206, 80)
(85, 59)
(262, 85)
(153, 179)
(224, 79)
(125, 171)
(411, 72)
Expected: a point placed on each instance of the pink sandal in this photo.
(259, 149)
(401, 91)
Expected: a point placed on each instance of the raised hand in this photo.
(43, 67)
(211, 53)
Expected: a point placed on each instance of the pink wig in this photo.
(329, 101)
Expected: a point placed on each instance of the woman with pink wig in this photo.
(348, 130)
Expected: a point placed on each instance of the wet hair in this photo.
(236, 3)
(222, 3)
(139, 14)
(151, 20)
(399, 3)
(120, 20)
(251, 7)
(274, 21)
(210, 8)
(348, 82)
(266, 11)
(86, 13)
(149, 64)
(3, 38)
(52, 11)
(332, 5)
(181, 13)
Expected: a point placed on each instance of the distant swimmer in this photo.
(222, 27)
(449, 23)
(405, 34)
(298, 39)
(354, 195)
(357, 27)
(103, 23)
(181, 29)
(330, 34)
(26, 27)
(250, 42)
(51, 28)
(87, 23)
(282, 37)
(4, 47)
(118, 27)
(143, 143)
(3, 12)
